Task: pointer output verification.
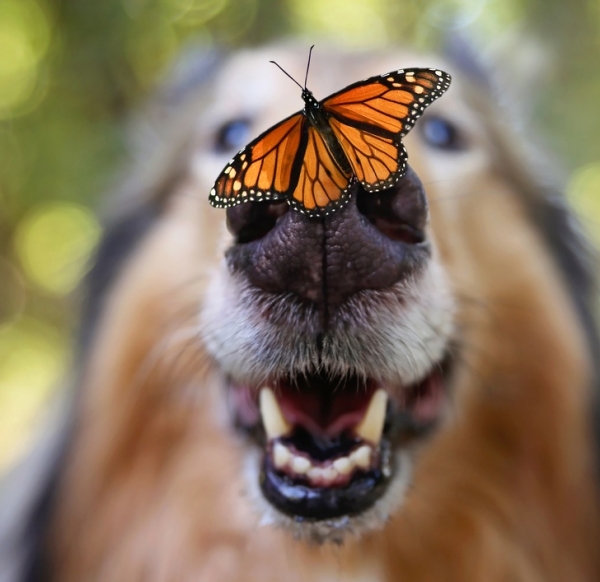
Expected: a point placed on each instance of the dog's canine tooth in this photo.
(370, 427)
(275, 424)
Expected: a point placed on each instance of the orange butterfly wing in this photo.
(369, 119)
(322, 185)
(293, 160)
(266, 168)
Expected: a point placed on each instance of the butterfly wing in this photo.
(291, 160)
(266, 169)
(322, 185)
(369, 119)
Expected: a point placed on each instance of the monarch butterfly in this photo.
(312, 158)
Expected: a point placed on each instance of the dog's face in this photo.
(337, 341)
(333, 336)
(308, 372)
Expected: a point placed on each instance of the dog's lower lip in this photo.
(300, 500)
(318, 462)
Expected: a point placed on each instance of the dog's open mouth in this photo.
(329, 441)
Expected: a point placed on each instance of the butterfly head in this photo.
(309, 100)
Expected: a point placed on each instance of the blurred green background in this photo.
(71, 71)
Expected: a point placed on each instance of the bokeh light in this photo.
(33, 359)
(24, 40)
(197, 12)
(54, 242)
(12, 294)
(151, 46)
(455, 14)
(72, 72)
(351, 23)
(584, 193)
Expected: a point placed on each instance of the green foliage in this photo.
(72, 70)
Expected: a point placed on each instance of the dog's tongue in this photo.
(326, 414)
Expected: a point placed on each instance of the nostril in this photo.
(253, 220)
(400, 213)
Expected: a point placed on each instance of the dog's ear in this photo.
(510, 74)
(191, 72)
(158, 132)
(27, 493)
(513, 69)
(159, 151)
(534, 175)
(461, 53)
(193, 69)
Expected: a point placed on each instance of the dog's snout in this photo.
(375, 241)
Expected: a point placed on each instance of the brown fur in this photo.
(505, 490)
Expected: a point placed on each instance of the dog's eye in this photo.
(232, 135)
(442, 134)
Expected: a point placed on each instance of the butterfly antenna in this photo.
(285, 72)
(308, 65)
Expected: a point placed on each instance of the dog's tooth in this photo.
(370, 427)
(343, 465)
(281, 455)
(329, 474)
(300, 465)
(314, 474)
(274, 422)
(362, 457)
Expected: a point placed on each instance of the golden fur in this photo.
(153, 487)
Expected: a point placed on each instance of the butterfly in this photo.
(314, 157)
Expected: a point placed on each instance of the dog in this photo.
(403, 390)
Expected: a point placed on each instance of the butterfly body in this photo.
(314, 157)
(318, 118)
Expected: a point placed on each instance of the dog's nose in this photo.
(374, 241)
